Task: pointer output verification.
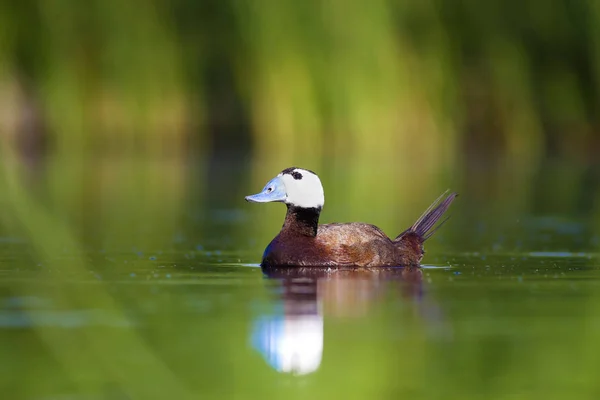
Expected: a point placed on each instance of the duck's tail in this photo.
(411, 240)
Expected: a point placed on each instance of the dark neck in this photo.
(301, 221)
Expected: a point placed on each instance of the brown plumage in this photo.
(302, 242)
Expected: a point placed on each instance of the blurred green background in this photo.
(130, 132)
(400, 97)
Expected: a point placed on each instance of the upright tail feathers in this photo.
(424, 226)
(411, 240)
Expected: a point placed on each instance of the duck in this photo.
(304, 243)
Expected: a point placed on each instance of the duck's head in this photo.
(293, 186)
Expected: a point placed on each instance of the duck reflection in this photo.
(291, 338)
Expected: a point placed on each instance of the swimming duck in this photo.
(302, 242)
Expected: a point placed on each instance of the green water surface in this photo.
(500, 310)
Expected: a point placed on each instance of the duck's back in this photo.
(351, 234)
(358, 244)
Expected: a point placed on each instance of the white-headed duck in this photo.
(302, 242)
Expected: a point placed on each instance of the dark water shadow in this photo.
(291, 337)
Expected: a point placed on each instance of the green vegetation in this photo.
(314, 79)
(421, 92)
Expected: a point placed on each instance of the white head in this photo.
(294, 186)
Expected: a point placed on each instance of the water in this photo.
(502, 309)
(523, 329)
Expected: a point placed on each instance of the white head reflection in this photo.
(291, 344)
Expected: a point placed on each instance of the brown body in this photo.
(304, 243)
